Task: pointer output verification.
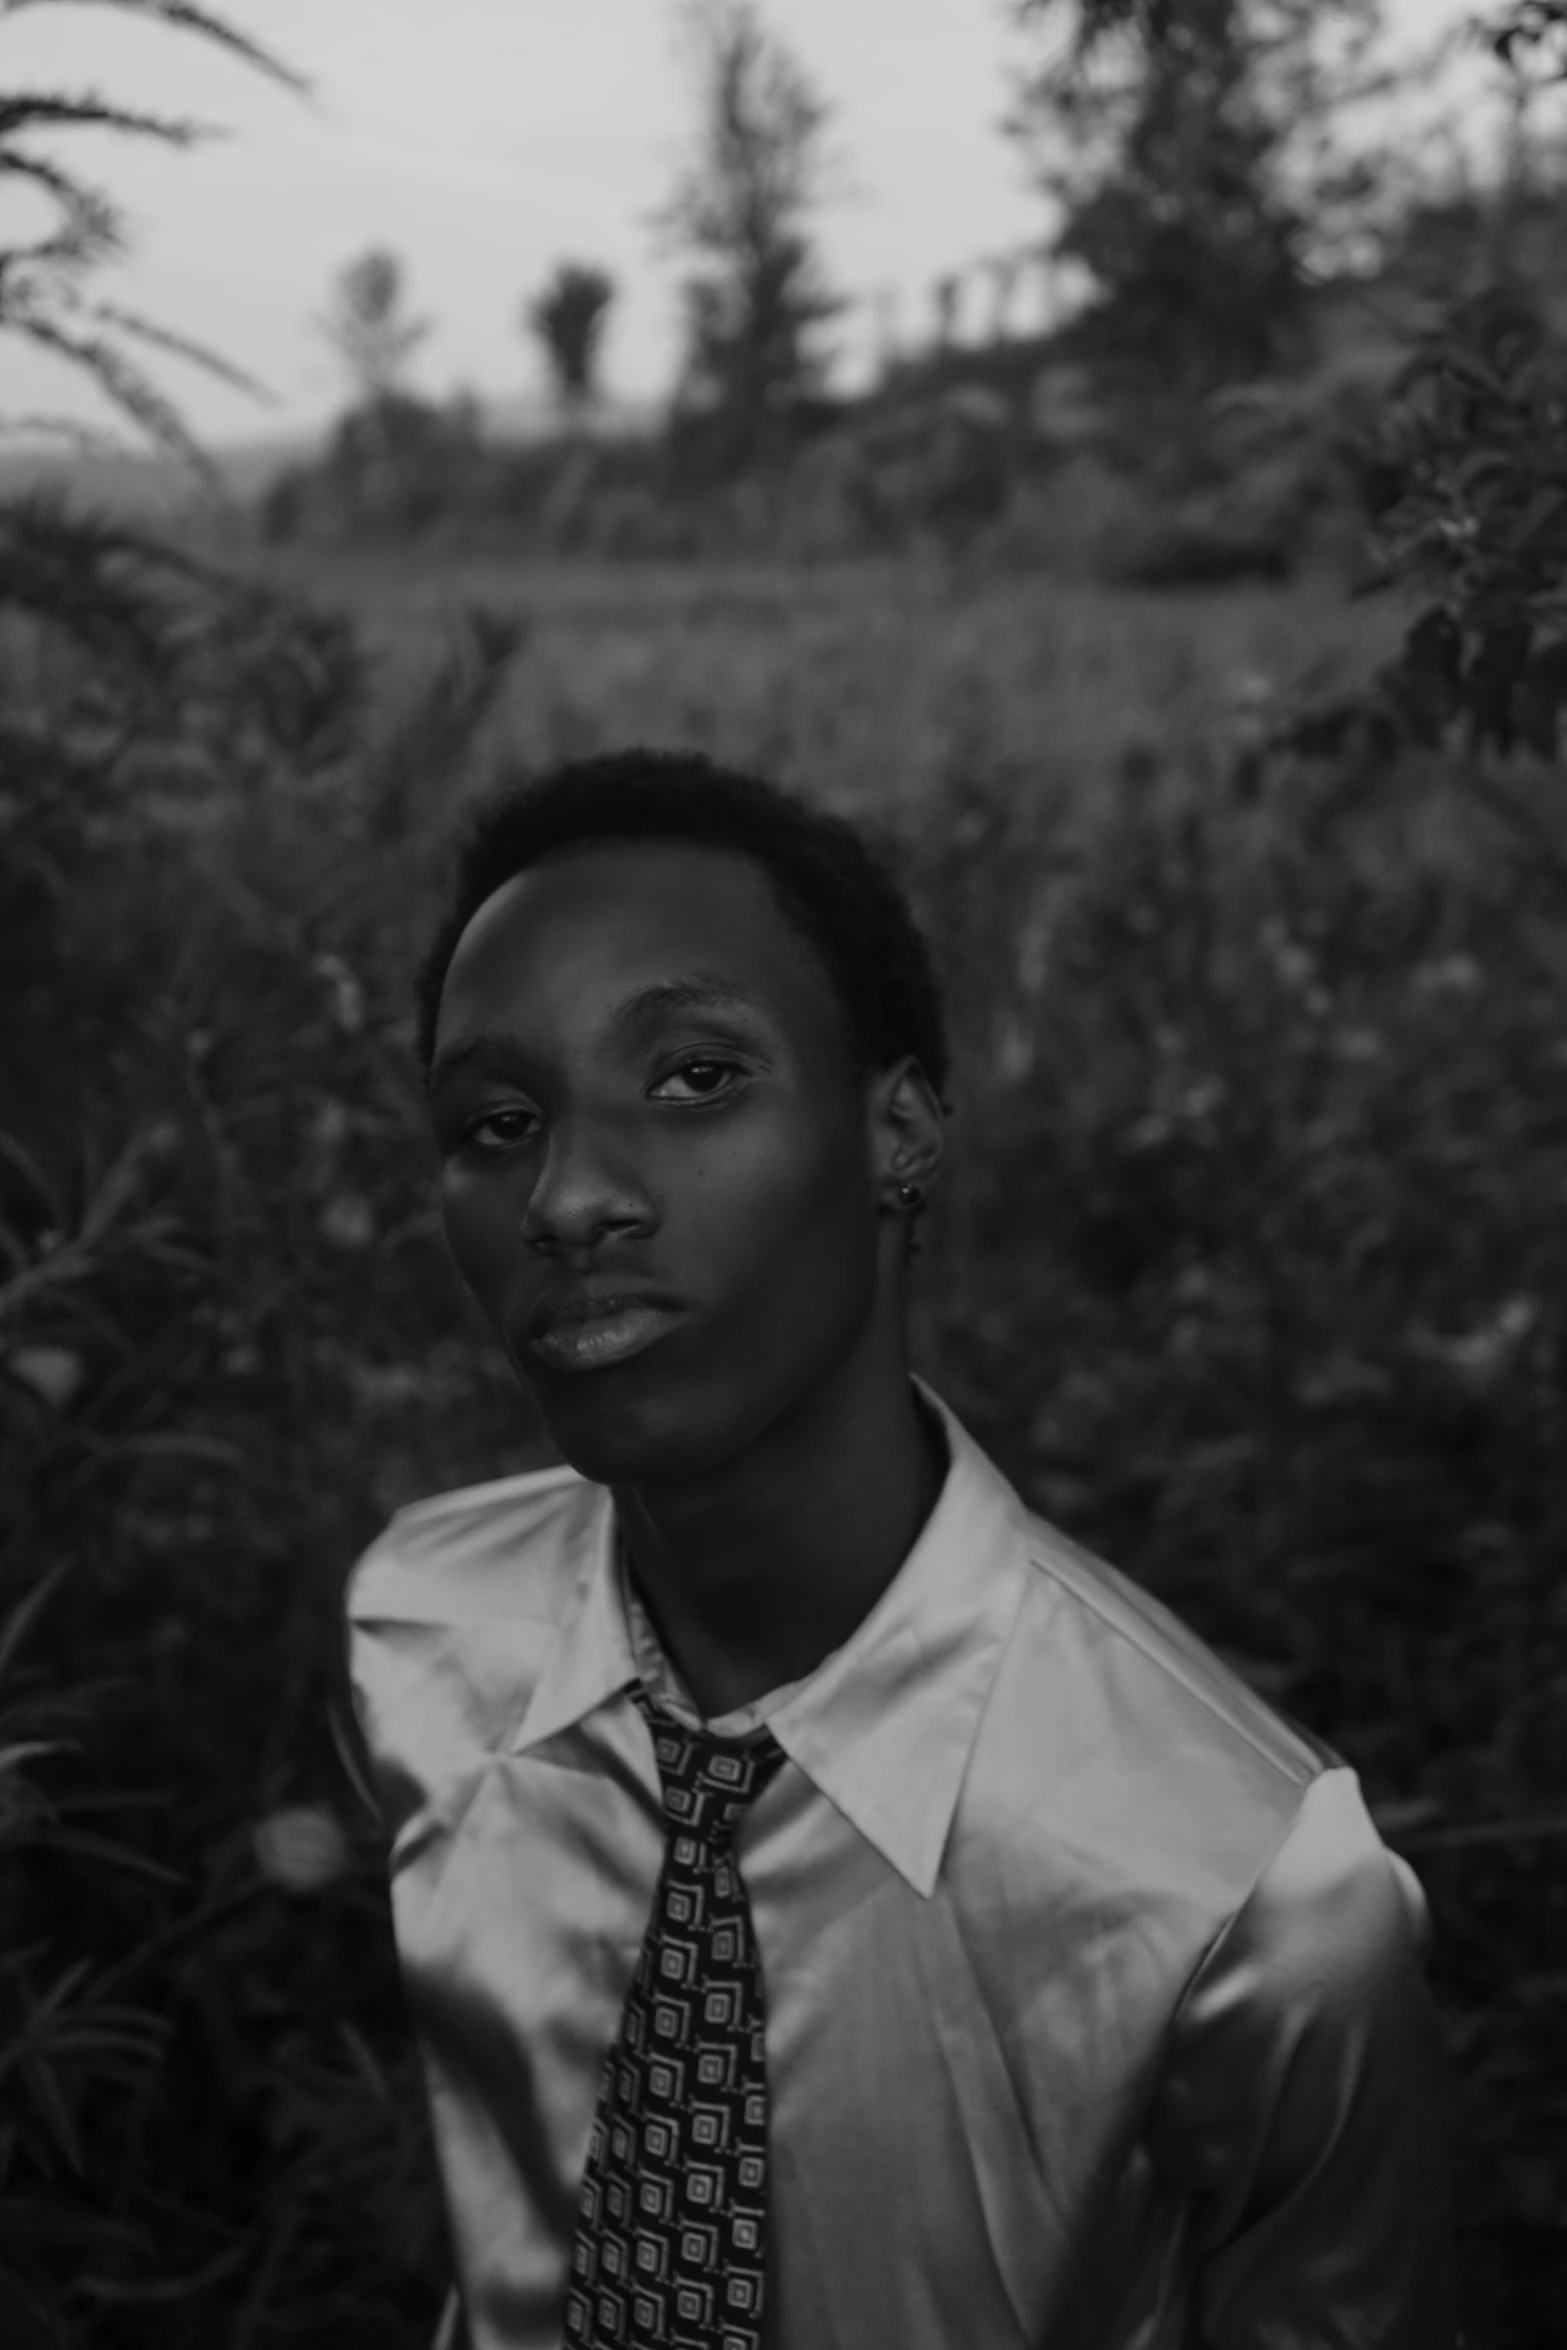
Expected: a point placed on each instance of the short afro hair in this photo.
(831, 886)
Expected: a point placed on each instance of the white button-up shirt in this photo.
(1096, 2011)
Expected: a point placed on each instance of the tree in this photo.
(745, 210)
(44, 297)
(1193, 146)
(1464, 482)
(369, 327)
(569, 318)
(1005, 271)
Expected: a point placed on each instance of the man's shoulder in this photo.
(1122, 1756)
(503, 1550)
(1136, 1646)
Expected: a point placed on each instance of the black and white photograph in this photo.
(783, 1175)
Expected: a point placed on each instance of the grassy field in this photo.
(1250, 1273)
(846, 679)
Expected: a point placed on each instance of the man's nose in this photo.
(585, 1184)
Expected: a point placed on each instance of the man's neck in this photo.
(753, 1576)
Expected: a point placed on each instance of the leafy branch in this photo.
(186, 18)
(1532, 31)
(42, 300)
(1463, 480)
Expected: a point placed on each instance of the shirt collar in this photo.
(885, 1725)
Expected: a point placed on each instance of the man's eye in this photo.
(497, 1118)
(700, 1075)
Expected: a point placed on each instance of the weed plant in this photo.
(1249, 1271)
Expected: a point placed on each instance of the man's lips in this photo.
(582, 1330)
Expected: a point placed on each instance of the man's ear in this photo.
(907, 1129)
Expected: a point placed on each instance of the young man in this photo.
(837, 1913)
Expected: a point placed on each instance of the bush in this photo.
(212, 2127)
(1254, 1277)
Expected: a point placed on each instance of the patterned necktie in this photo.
(669, 2245)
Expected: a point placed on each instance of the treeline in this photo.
(1228, 225)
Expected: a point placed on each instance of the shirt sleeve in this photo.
(1306, 2106)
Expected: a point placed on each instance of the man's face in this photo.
(614, 1132)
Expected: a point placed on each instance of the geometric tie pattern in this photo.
(669, 2246)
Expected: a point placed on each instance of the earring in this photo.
(910, 1194)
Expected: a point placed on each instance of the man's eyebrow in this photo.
(488, 1050)
(692, 993)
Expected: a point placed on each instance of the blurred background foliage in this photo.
(1248, 901)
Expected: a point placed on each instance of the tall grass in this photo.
(1249, 1270)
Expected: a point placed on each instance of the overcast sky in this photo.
(485, 139)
